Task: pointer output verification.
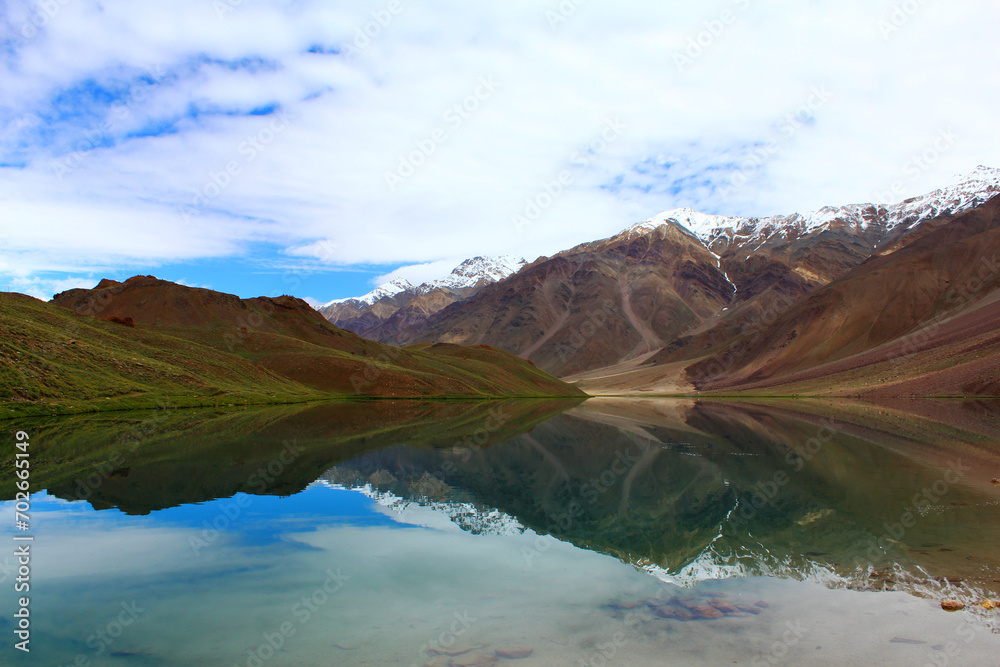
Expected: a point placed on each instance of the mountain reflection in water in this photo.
(716, 489)
(727, 524)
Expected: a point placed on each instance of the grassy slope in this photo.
(288, 337)
(53, 360)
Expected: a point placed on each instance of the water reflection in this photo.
(722, 489)
(147, 461)
(372, 532)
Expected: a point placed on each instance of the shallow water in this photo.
(639, 533)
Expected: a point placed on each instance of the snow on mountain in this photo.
(468, 274)
(397, 286)
(966, 192)
(702, 224)
(473, 271)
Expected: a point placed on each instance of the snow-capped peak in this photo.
(397, 286)
(702, 224)
(477, 270)
(470, 273)
(980, 174)
(966, 192)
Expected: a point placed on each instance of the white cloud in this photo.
(44, 288)
(322, 178)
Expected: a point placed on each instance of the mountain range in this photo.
(866, 300)
(688, 301)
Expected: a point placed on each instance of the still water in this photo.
(611, 532)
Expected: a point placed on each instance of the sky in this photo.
(267, 147)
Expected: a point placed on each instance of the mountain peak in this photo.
(982, 172)
(966, 191)
(392, 288)
(701, 224)
(473, 272)
(468, 274)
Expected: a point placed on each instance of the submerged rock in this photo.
(674, 612)
(457, 648)
(749, 609)
(724, 606)
(706, 612)
(693, 608)
(513, 652)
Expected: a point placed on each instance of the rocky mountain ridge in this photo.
(411, 304)
(965, 193)
(683, 286)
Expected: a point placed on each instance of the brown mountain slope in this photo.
(359, 317)
(775, 267)
(287, 337)
(924, 292)
(414, 315)
(594, 304)
(622, 298)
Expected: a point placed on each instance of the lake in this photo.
(608, 532)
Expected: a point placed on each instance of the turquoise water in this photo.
(720, 537)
